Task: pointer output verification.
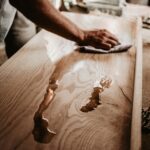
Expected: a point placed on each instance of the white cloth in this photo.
(118, 48)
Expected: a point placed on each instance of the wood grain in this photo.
(137, 100)
(25, 76)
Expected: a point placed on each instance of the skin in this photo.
(44, 14)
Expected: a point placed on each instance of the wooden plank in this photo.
(137, 98)
(24, 79)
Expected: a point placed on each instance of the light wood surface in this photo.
(24, 79)
(137, 97)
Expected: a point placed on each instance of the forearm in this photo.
(43, 13)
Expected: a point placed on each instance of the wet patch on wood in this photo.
(95, 99)
(41, 132)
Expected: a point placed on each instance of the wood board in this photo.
(25, 76)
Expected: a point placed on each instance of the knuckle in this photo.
(104, 34)
(104, 39)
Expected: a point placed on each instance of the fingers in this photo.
(101, 44)
(111, 36)
(104, 42)
(100, 39)
(106, 34)
(105, 46)
(111, 42)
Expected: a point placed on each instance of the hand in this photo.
(99, 39)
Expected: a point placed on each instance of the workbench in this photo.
(115, 124)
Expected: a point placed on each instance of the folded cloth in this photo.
(115, 49)
(146, 22)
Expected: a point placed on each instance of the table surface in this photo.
(24, 79)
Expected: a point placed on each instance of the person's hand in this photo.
(99, 39)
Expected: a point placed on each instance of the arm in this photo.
(43, 13)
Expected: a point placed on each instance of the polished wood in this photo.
(137, 98)
(25, 77)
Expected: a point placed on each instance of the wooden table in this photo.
(24, 78)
